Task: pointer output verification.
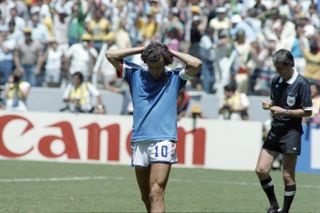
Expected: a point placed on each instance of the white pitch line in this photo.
(241, 183)
(56, 179)
(88, 178)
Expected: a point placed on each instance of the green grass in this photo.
(27, 186)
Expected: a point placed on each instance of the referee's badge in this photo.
(291, 100)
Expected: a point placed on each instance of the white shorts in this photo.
(148, 152)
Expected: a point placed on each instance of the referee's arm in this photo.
(277, 110)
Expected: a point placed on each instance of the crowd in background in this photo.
(46, 41)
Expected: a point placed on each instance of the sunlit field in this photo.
(59, 187)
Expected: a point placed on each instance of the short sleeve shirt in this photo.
(154, 102)
(292, 94)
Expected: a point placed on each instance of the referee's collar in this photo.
(293, 77)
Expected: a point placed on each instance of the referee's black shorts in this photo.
(284, 140)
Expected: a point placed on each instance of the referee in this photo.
(291, 100)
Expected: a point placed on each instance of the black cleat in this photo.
(274, 210)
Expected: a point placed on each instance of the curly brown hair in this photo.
(152, 53)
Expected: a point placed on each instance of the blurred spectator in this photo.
(27, 59)
(198, 26)
(259, 7)
(112, 82)
(312, 57)
(122, 37)
(173, 22)
(98, 27)
(60, 28)
(243, 64)
(76, 26)
(179, 24)
(147, 26)
(260, 80)
(39, 30)
(53, 58)
(79, 96)
(287, 33)
(207, 54)
(296, 48)
(20, 23)
(107, 71)
(13, 33)
(7, 47)
(315, 117)
(314, 14)
(16, 93)
(235, 104)
(221, 22)
(82, 56)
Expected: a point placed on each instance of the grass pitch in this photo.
(28, 186)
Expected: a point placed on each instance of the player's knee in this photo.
(260, 171)
(288, 177)
(156, 192)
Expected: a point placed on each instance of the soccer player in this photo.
(291, 100)
(154, 92)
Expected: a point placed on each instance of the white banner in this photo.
(106, 139)
(315, 148)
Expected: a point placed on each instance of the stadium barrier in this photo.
(309, 161)
(52, 102)
(87, 138)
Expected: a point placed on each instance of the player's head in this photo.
(156, 56)
(230, 89)
(77, 78)
(154, 52)
(283, 61)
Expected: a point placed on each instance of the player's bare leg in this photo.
(143, 174)
(289, 164)
(159, 175)
(263, 169)
(264, 164)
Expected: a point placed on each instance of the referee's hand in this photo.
(276, 111)
(266, 105)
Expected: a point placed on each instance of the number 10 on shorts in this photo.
(164, 151)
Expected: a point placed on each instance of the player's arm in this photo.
(193, 64)
(115, 57)
(276, 110)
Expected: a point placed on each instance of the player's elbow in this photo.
(197, 64)
(109, 56)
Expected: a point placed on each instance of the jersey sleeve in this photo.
(183, 78)
(126, 70)
(305, 95)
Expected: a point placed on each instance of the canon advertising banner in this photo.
(89, 138)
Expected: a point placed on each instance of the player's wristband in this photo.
(184, 75)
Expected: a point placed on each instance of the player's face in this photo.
(156, 69)
(228, 93)
(282, 70)
(76, 80)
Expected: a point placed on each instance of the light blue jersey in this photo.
(154, 103)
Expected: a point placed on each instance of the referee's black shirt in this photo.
(292, 94)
